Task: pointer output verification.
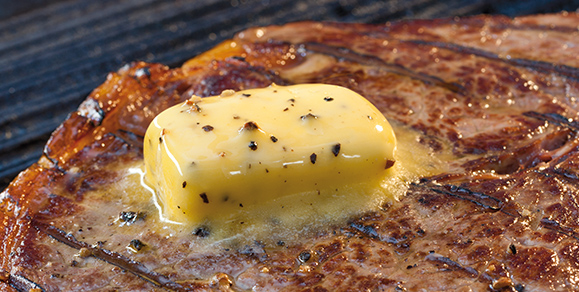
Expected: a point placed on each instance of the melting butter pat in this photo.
(227, 158)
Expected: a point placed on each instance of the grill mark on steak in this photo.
(110, 257)
(447, 263)
(547, 33)
(20, 283)
(556, 226)
(499, 22)
(462, 193)
(562, 70)
(566, 175)
(368, 60)
(556, 119)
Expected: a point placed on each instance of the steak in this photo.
(500, 94)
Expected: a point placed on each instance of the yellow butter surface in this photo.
(258, 154)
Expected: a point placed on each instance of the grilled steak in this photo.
(499, 93)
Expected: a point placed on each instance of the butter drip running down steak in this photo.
(500, 94)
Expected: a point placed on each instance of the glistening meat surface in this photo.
(499, 93)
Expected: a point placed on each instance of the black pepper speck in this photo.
(313, 158)
(204, 198)
(137, 244)
(336, 149)
(304, 256)
(513, 248)
(273, 138)
(131, 217)
(327, 98)
(201, 232)
(252, 145)
(207, 128)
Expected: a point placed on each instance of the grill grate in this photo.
(53, 53)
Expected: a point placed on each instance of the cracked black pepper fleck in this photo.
(201, 232)
(204, 198)
(304, 256)
(252, 145)
(513, 249)
(130, 217)
(313, 158)
(336, 149)
(137, 244)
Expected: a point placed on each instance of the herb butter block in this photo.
(215, 158)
